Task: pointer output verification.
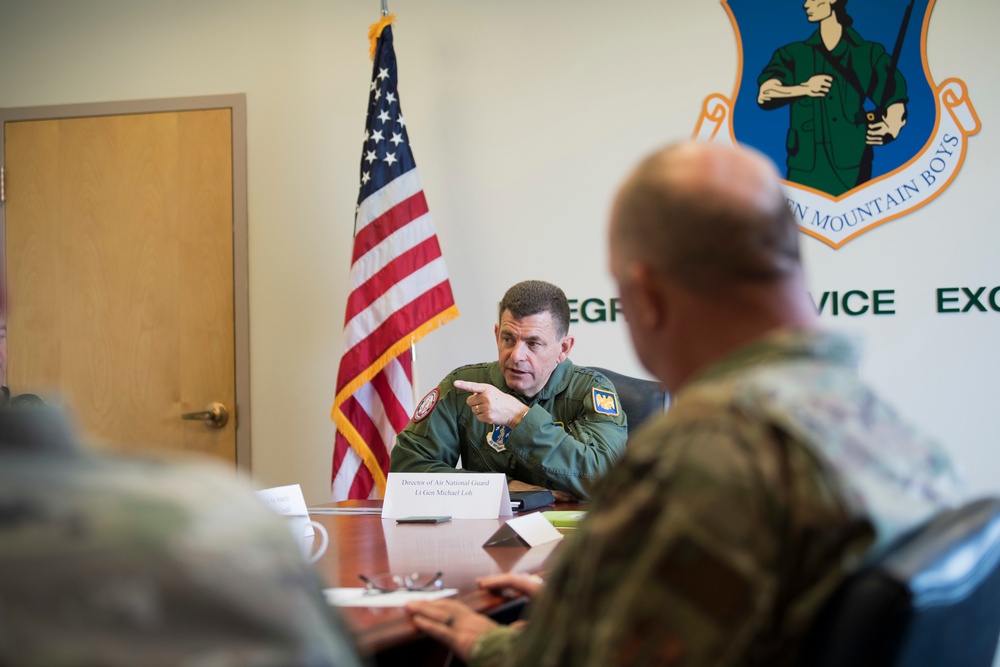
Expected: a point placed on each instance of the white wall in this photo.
(524, 116)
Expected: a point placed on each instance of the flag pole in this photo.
(388, 177)
(414, 383)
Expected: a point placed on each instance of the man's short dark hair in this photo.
(532, 297)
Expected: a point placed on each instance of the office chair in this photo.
(640, 399)
(931, 598)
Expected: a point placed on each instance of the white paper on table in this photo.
(360, 597)
(345, 510)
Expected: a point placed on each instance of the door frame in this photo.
(236, 103)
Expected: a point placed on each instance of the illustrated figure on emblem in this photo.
(845, 96)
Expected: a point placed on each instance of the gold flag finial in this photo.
(375, 31)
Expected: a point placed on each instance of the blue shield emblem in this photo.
(497, 437)
(847, 113)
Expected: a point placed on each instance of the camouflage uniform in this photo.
(731, 518)
(112, 561)
(572, 435)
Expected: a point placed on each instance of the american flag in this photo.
(399, 291)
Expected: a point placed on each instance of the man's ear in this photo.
(565, 345)
(496, 332)
(648, 302)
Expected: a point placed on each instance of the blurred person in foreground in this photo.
(733, 517)
(124, 561)
(532, 414)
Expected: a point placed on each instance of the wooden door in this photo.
(119, 269)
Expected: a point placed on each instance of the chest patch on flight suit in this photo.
(497, 437)
(605, 402)
(426, 405)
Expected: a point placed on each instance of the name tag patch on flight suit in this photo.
(497, 437)
(425, 405)
(605, 402)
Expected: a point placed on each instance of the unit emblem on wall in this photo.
(840, 96)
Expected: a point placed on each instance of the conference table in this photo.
(366, 544)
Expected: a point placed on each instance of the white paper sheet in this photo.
(359, 597)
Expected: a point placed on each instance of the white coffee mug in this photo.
(297, 524)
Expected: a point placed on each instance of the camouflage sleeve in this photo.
(492, 648)
(675, 562)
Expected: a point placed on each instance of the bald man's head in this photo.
(707, 217)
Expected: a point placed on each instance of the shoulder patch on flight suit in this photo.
(426, 405)
(605, 402)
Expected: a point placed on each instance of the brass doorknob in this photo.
(215, 415)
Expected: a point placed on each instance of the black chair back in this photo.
(931, 598)
(640, 399)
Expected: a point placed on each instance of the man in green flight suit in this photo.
(532, 414)
(826, 80)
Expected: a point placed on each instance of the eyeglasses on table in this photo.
(390, 583)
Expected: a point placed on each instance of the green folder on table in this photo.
(565, 518)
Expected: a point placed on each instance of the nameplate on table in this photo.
(456, 494)
(287, 501)
(529, 530)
